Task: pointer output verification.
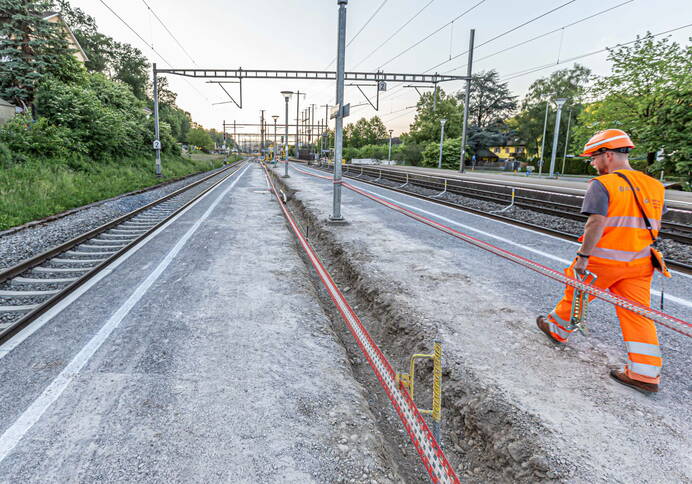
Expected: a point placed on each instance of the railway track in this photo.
(555, 204)
(679, 232)
(33, 286)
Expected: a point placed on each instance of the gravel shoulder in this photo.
(516, 408)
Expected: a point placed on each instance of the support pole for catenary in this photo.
(389, 157)
(467, 98)
(339, 121)
(157, 138)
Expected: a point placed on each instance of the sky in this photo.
(302, 35)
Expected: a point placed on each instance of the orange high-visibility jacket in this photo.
(626, 239)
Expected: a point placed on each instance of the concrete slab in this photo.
(225, 370)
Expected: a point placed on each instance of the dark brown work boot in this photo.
(621, 377)
(543, 326)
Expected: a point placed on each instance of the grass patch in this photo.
(37, 189)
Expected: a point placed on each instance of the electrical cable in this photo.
(169, 32)
(546, 66)
(361, 29)
(150, 46)
(432, 33)
(543, 35)
(395, 32)
(504, 33)
(527, 41)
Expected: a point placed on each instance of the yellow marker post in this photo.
(407, 380)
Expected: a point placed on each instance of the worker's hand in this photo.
(580, 265)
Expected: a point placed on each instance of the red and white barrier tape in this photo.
(429, 450)
(664, 319)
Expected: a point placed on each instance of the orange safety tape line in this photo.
(428, 449)
(660, 317)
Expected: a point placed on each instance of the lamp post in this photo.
(275, 117)
(560, 102)
(389, 158)
(442, 138)
(287, 95)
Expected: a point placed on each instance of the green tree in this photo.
(426, 124)
(647, 95)
(364, 132)
(31, 48)
(450, 153)
(572, 84)
(490, 101)
(199, 137)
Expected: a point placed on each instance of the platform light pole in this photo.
(560, 102)
(339, 121)
(287, 95)
(442, 139)
(545, 127)
(389, 157)
(467, 100)
(275, 117)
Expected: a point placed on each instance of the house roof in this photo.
(486, 153)
(5, 103)
(50, 15)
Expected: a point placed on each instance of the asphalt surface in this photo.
(203, 357)
(485, 308)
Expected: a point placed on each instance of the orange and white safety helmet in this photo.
(608, 140)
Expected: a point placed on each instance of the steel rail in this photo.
(670, 230)
(672, 264)
(28, 264)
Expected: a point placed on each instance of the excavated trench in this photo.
(485, 437)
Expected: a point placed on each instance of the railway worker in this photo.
(616, 248)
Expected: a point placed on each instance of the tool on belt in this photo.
(580, 303)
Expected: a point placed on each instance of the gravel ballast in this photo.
(30, 241)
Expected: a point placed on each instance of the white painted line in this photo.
(37, 324)
(33, 413)
(669, 297)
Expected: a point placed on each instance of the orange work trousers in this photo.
(633, 282)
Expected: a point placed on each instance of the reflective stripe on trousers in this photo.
(644, 358)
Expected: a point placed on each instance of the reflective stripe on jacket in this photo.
(625, 237)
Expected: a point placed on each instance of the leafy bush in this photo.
(450, 153)
(39, 138)
(103, 115)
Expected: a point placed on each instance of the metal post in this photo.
(435, 98)
(157, 138)
(467, 98)
(556, 135)
(235, 135)
(339, 121)
(545, 127)
(297, 123)
(442, 138)
(564, 155)
(287, 96)
(389, 158)
(262, 132)
(275, 117)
